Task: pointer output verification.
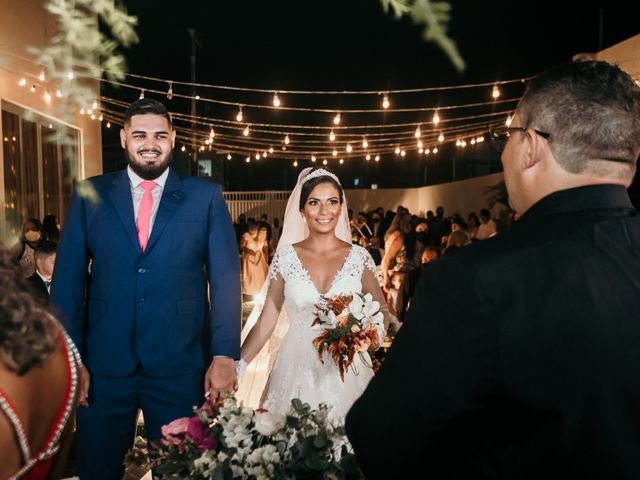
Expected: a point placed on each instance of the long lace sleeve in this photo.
(266, 322)
(371, 285)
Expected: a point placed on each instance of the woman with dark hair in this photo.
(314, 261)
(22, 252)
(38, 383)
(255, 251)
(51, 228)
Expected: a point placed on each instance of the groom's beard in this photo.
(145, 170)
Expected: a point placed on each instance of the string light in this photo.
(22, 82)
(239, 115)
(332, 136)
(270, 149)
(397, 150)
(295, 163)
(472, 141)
(202, 149)
(257, 156)
(365, 144)
(42, 77)
(228, 156)
(463, 143)
(377, 158)
(197, 97)
(335, 153)
(435, 150)
(212, 133)
(385, 101)
(286, 140)
(495, 93)
(349, 148)
(420, 150)
(94, 105)
(480, 139)
(141, 94)
(170, 91)
(403, 153)
(246, 131)
(276, 100)
(313, 158)
(183, 148)
(337, 119)
(324, 162)
(341, 161)
(248, 159)
(508, 121)
(101, 117)
(368, 157)
(427, 151)
(264, 154)
(436, 118)
(441, 138)
(108, 124)
(47, 96)
(457, 143)
(420, 145)
(418, 133)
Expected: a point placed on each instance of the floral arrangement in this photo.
(225, 440)
(350, 324)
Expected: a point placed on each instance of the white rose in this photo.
(222, 457)
(255, 457)
(270, 454)
(268, 423)
(356, 307)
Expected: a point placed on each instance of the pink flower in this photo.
(174, 432)
(200, 434)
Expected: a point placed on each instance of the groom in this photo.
(147, 283)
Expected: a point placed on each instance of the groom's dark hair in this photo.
(146, 106)
(308, 186)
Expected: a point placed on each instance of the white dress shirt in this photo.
(137, 191)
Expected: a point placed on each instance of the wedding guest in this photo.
(37, 384)
(253, 246)
(22, 252)
(473, 224)
(520, 359)
(487, 228)
(45, 259)
(51, 228)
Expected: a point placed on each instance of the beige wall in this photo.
(26, 23)
(461, 197)
(625, 54)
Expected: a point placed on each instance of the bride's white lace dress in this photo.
(298, 371)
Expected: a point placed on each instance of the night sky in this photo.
(354, 45)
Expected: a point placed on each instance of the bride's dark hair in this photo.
(308, 186)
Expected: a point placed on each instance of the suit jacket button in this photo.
(142, 270)
(140, 301)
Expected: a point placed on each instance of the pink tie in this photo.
(144, 213)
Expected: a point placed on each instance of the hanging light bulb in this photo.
(101, 117)
(197, 97)
(495, 93)
(47, 96)
(276, 100)
(427, 151)
(418, 132)
(22, 82)
(508, 121)
(335, 153)
(313, 158)
(228, 156)
(377, 158)
(385, 101)
(368, 157)
(463, 143)
(324, 162)
(341, 161)
(270, 149)
(248, 159)
(257, 156)
(264, 154)
(458, 143)
(397, 150)
(332, 136)
(295, 163)
(94, 106)
(183, 148)
(435, 150)
(403, 153)
(59, 93)
(337, 119)
(365, 144)
(441, 138)
(349, 148)
(472, 141)
(246, 131)
(141, 94)
(283, 148)
(170, 91)
(201, 148)
(420, 150)
(420, 145)
(239, 115)
(286, 140)
(480, 139)
(108, 124)
(436, 118)
(212, 133)
(42, 77)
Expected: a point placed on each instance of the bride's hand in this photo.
(221, 377)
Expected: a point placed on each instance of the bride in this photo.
(314, 259)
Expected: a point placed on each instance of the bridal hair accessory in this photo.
(321, 172)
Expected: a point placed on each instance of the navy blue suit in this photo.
(141, 319)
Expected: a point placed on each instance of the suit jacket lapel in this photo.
(121, 197)
(171, 198)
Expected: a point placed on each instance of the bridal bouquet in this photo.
(352, 324)
(224, 440)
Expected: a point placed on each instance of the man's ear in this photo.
(173, 139)
(534, 148)
(123, 138)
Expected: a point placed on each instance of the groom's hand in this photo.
(221, 377)
(84, 380)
